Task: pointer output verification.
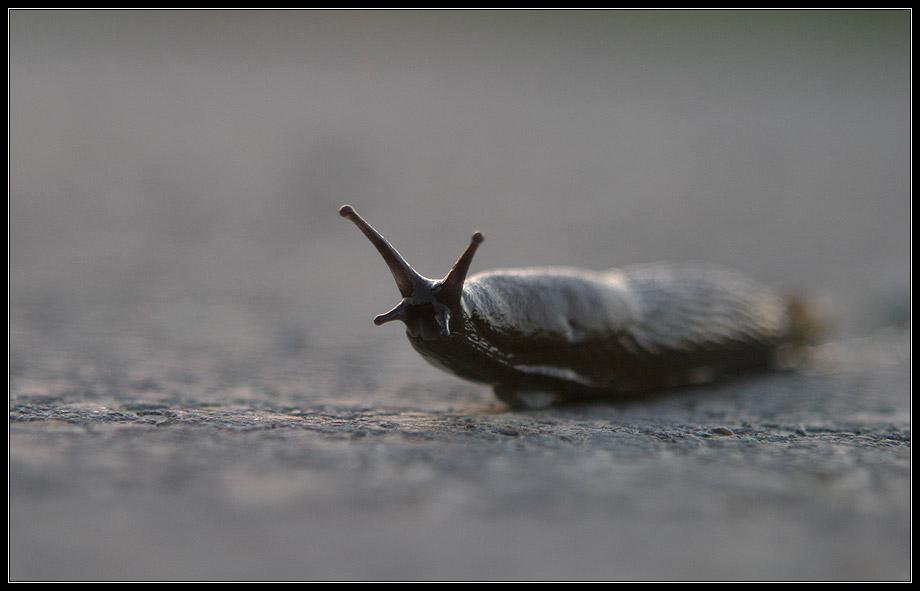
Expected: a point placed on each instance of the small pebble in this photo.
(723, 431)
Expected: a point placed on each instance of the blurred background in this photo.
(175, 176)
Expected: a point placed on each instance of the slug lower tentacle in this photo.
(556, 334)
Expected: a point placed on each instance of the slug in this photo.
(549, 335)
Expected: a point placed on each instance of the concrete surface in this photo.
(197, 390)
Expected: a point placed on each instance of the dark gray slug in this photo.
(558, 334)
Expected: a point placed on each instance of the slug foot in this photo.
(519, 399)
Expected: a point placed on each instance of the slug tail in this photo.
(807, 327)
(807, 324)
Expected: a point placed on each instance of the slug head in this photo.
(427, 305)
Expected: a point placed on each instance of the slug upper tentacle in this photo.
(540, 335)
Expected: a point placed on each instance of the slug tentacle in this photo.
(427, 305)
(452, 284)
(545, 335)
(407, 279)
(397, 313)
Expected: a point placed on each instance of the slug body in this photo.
(557, 334)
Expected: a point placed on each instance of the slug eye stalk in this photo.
(419, 291)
